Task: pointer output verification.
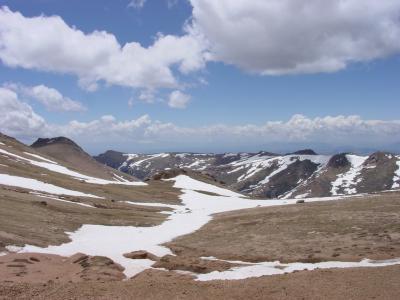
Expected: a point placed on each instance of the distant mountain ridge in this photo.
(299, 174)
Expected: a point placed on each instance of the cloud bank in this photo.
(18, 119)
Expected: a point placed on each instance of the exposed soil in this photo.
(192, 264)
(345, 230)
(360, 283)
(45, 268)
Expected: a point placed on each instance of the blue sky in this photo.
(225, 90)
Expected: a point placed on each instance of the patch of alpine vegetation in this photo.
(299, 174)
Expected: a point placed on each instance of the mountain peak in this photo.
(305, 152)
(41, 142)
(338, 161)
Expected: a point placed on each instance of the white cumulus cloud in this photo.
(52, 99)
(268, 37)
(18, 118)
(47, 43)
(177, 99)
(298, 36)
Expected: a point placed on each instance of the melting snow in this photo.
(155, 204)
(283, 163)
(396, 178)
(13, 248)
(33, 184)
(185, 182)
(195, 211)
(301, 196)
(63, 170)
(348, 180)
(276, 268)
(257, 163)
(53, 197)
(148, 157)
(40, 157)
(120, 178)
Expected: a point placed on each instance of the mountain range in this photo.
(269, 175)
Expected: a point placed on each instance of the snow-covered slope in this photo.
(269, 175)
(22, 167)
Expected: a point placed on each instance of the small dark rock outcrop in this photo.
(338, 161)
(167, 174)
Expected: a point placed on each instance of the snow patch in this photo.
(120, 178)
(277, 268)
(188, 183)
(154, 204)
(302, 196)
(33, 184)
(13, 248)
(396, 178)
(63, 170)
(53, 197)
(40, 157)
(349, 180)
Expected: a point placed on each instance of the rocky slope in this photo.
(69, 153)
(300, 174)
(55, 187)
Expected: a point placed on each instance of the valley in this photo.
(69, 226)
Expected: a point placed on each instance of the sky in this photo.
(202, 75)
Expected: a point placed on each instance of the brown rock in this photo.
(141, 254)
(77, 258)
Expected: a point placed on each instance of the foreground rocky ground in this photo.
(343, 230)
(360, 283)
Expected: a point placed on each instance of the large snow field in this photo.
(195, 211)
